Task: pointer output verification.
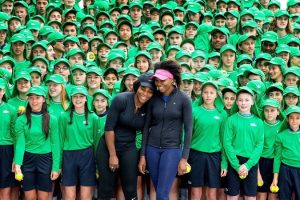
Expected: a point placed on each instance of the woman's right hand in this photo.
(113, 163)
(142, 164)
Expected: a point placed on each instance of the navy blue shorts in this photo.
(79, 168)
(36, 169)
(236, 186)
(206, 169)
(7, 177)
(266, 171)
(289, 182)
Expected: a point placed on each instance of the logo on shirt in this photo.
(143, 114)
(5, 111)
(253, 125)
(216, 117)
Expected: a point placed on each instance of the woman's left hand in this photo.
(182, 166)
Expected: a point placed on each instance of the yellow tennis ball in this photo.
(19, 176)
(260, 183)
(242, 177)
(274, 189)
(188, 168)
(21, 108)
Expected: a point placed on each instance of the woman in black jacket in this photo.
(169, 116)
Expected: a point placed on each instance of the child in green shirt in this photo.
(287, 156)
(243, 143)
(272, 121)
(37, 154)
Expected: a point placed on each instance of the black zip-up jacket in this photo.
(167, 121)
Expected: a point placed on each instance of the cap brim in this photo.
(146, 84)
(160, 77)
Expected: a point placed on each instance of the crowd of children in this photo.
(207, 84)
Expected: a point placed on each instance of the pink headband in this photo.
(162, 74)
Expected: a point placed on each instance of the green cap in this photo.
(276, 86)
(154, 45)
(215, 74)
(61, 60)
(245, 89)
(282, 48)
(243, 57)
(95, 70)
(280, 13)
(41, 44)
(229, 89)
(22, 75)
(42, 58)
(225, 82)
(270, 36)
(199, 53)
(8, 59)
(56, 78)
(212, 83)
(227, 47)
(102, 92)
(18, 38)
(21, 3)
(292, 109)
(78, 66)
(46, 30)
(220, 15)
(294, 52)
(132, 71)
(176, 29)
(3, 26)
(71, 39)
(136, 3)
(246, 12)
(270, 102)
(147, 35)
(79, 90)
(257, 86)
(291, 89)
(5, 74)
(75, 51)
(292, 3)
(90, 26)
(250, 23)
(259, 15)
(37, 90)
(258, 72)
(173, 47)
(34, 69)
(143, 53)
(194, 8)
(243, 68)
(293, 39)
(55, 36)
(182, 53)
(213, 54)
(277, 61)
(245, 37)
(201, 77)
(233, 13)
(4, 16)
(187, 76)
(222, 30)
(116, 53)
(33, 25)
(291, 70)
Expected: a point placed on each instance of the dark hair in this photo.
(136, 85)
(172, 66)
(45, 118)
(86, 112)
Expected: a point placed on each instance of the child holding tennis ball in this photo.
(287, 157)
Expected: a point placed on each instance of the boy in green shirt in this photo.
(243, 143)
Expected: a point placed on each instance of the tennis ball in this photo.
(274, 189)
(242, 177)
(19, 176)
(21, 108)
(260, 183)
(188, 168)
